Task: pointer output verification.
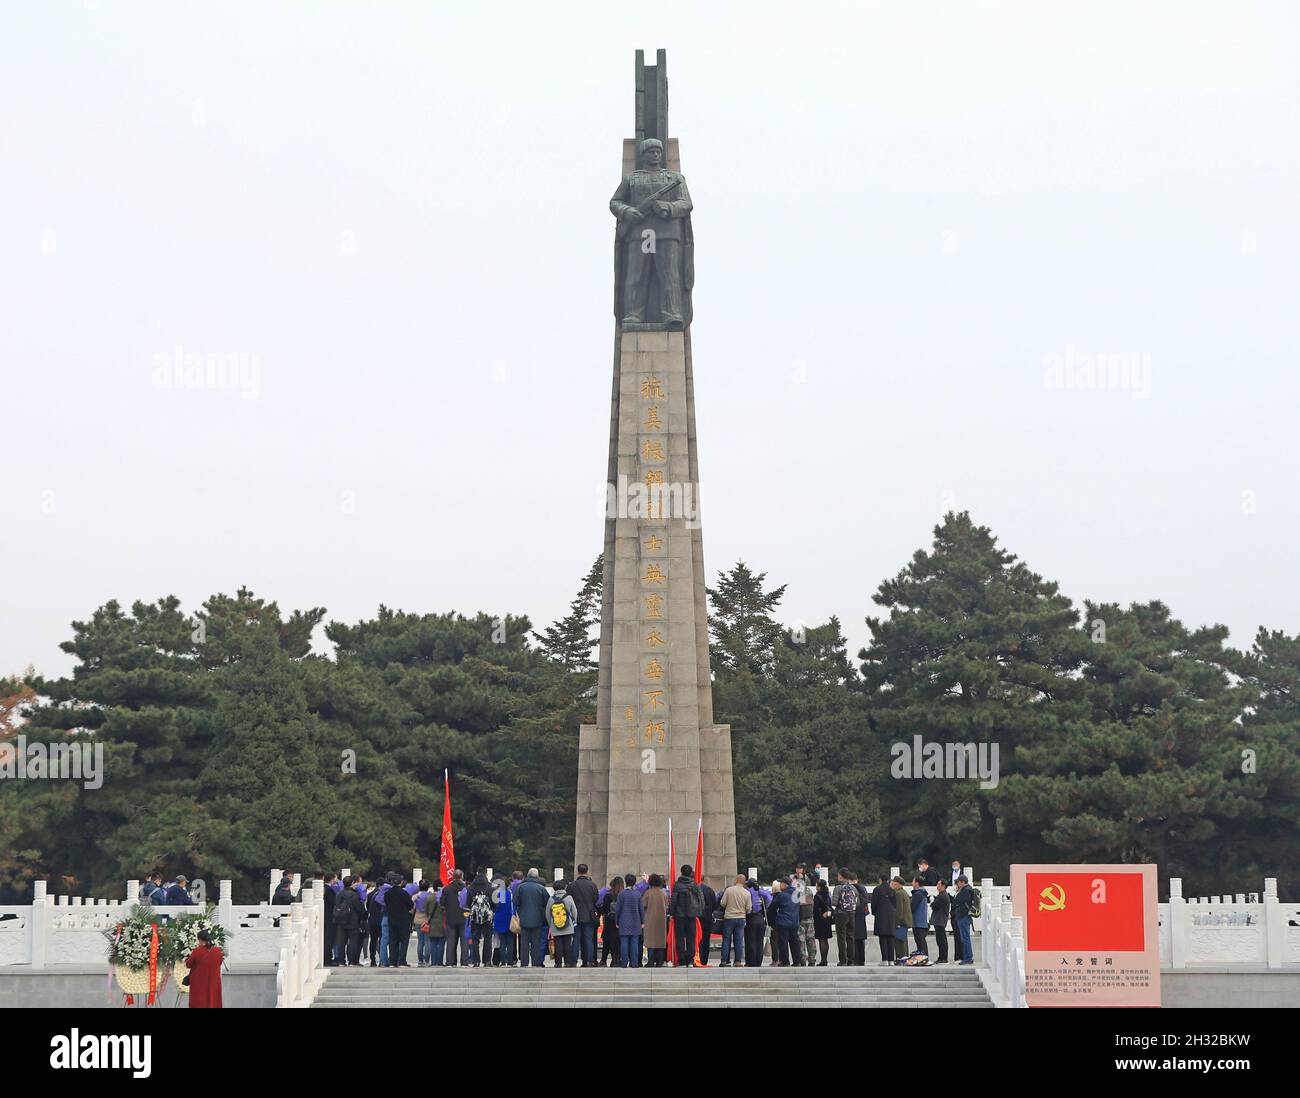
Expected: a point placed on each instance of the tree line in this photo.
(231, 746)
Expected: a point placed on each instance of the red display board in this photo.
(1091, 934)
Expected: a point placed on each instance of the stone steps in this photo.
(866, 988)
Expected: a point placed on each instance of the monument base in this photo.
(646, 850)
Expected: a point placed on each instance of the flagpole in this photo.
(672, 858)
(699, 880)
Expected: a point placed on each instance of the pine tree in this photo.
(745, 633)
(1152, 771)
(569, 642)
(977, 649)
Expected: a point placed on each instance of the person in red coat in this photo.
(204, 963)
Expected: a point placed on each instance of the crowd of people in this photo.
(172, 893)
(627, 923)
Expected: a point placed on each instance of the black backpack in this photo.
(847, 904)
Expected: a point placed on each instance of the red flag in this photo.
(699, 878)
(672, 860)
(1101, 912)
(447, 858)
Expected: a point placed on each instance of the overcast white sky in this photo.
(902, 213)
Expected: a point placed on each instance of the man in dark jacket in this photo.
(330, 898)
(179, 894)
(684, 907)
(531, 900)
(349, 917)
(929, 877)
(283, 893)
(583, 892)
(884, 911)
(860, 923)
(706, 920)
(785, 917)
(940, 912)
(400, 908)
(454, 918)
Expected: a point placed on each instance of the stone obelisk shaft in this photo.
(654, 752)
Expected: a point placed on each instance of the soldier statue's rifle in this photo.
(645, 205)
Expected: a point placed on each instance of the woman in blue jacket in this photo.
(629, 916)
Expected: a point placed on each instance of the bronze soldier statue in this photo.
(654, 243)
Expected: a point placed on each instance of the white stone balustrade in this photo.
(1253, 930)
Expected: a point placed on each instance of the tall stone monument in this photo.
(654, 752)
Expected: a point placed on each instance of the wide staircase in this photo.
(938, 986)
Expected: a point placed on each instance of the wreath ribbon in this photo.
(153, 965)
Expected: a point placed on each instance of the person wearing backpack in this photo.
(478, 901)
(963, 904)
(562, 917)
(844, 905)
(685, 906)
(756, 924)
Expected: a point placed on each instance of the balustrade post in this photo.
(287, 961)
(1017, 959)
(1179, 920)
(39, 932)
(1274, 925)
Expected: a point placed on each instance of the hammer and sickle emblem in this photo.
(1054, 894)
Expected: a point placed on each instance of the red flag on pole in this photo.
(447, 857)
(700, 929)
(672, 861)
